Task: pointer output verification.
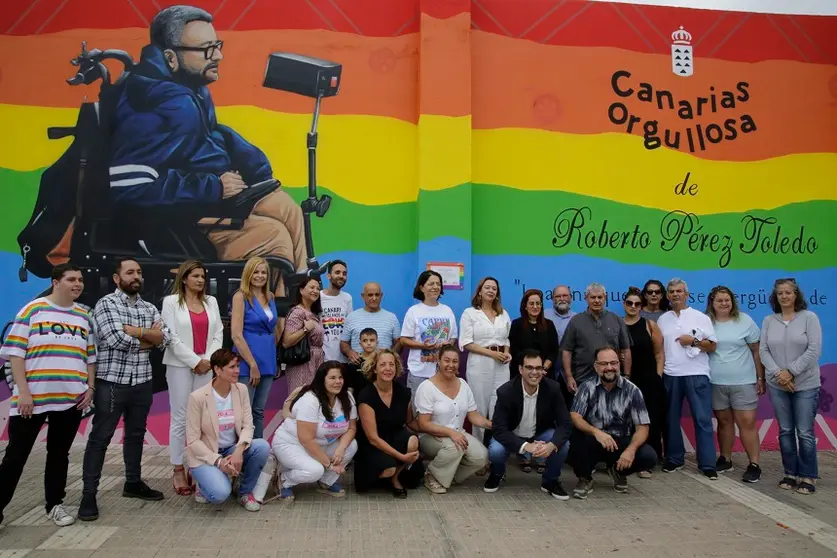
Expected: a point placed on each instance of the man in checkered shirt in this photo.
(127, 328)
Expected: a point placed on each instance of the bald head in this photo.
(372, 295)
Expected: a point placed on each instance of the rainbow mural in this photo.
(539, 141)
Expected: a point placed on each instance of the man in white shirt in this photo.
(336, 306)
(688, 338)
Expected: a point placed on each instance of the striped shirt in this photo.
(56, 344)
(382, 321)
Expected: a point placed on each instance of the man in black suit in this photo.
(530, 420)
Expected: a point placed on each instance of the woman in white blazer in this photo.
(193, 318)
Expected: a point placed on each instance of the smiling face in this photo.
(607, 366)
(449, 364)
(259, 278)
(786, 295)
(311, 290)
(633, 304)
(595, 300)
(488, 292)
(431, 289)
(534, 306)
(334, 381)
(338, 276)
(70, 286)
(385, 368)
(722, 305)
(561, 299)
(532, 371)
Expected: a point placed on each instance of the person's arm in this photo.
(237, 330)
(639, 438)
(110, 329)
(408, 332)
(411, 420)
(427, 426)
(453, 337)
(625, 344)
(563, 422)
(156, 336)
(246, 158)
(657, 343)
(183, 353)
(307, 433)
(566, 363)
(370, 428)
(193, 433)
(765, 357)
(625, 357)
(295, 329)
(476, 419)
(814, 349)
(396, 331)
(500, 430)
(217, 341)
(245, 436)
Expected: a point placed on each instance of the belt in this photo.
(497, 348)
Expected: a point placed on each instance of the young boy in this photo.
(354, 372)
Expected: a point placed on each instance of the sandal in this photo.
(806, 488)
(540, 468)
(526, 466)
(182, 490)
(787, 483)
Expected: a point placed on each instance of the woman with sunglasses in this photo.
(654, 300)
(648, 359)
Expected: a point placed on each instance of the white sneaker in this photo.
(199, 499)
(249, 503)
(60, 517)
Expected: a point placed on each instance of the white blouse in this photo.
(475, 327)
(443, 410)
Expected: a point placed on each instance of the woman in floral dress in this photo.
(303, 321)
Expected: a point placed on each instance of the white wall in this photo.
(805, 7)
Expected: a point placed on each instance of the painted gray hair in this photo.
(168, 25)
(677, 281)
(594, 287)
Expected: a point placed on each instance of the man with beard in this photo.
(560, 315)
(126, 328)
(337, 305)
(611, 425)
(170, 155)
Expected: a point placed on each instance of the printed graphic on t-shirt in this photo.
(435, 329)
(332, 319)
(336, 428)
(226, 420)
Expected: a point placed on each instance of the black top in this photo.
(355, 378)
(524, 335)
(550, 412)
(389, 420)
(643, 362)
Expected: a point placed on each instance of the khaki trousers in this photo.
(451, 463)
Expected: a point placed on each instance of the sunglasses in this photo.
(654, 291)
(633, 304)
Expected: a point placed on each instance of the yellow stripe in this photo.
(373, 160)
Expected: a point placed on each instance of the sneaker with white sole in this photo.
(249, 503)
(199, 498)
(334, 490)
(60, 517)
(433, 485)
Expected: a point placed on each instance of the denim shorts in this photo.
(738, 398)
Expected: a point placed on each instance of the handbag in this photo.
(293, 356)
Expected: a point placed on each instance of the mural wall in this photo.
(552, 142)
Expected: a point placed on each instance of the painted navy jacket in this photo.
(167, 146)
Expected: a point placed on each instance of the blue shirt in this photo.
(383, 322)
(732, 364)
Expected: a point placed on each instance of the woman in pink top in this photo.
(197, 332)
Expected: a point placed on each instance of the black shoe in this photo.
(722, 465)
(493, 483)
(712, 474)
(554, 489)
(142, 491)
(752, 474)
(670, 467)
(88, 510)
(620, 481)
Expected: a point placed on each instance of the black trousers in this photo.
(112, 402)
(23, 432)
(587, 451)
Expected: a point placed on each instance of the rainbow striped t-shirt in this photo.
(56, 344)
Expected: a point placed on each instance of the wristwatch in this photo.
(695, 342)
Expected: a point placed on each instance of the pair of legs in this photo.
(498, 455)
(113, 402)
(298, 467)
(587, 451)
(23, 432)
(258, 400)
(375, 464)
(654, 394)
(485, 375)
(216, 486)
(796, 413)
(181, 381)
(736, 406)
(697, 390)
(274, 228)
(450, 463)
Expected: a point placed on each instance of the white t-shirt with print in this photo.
(335, 310)
(226, 420)
(308, 409)
(424, 322)
(443, 410)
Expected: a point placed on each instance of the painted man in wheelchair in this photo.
(172, 160)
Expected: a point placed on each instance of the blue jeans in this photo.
(698, 391)
(258, 399)
(795, 413)
(498, 455)
(216, 486)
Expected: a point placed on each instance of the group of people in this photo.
(549, 387)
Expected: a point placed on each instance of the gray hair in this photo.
(168, 25)
(594, 287)
(677, 281)
(560, 286)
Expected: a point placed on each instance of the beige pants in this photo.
(274, 228)
(451, 463)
